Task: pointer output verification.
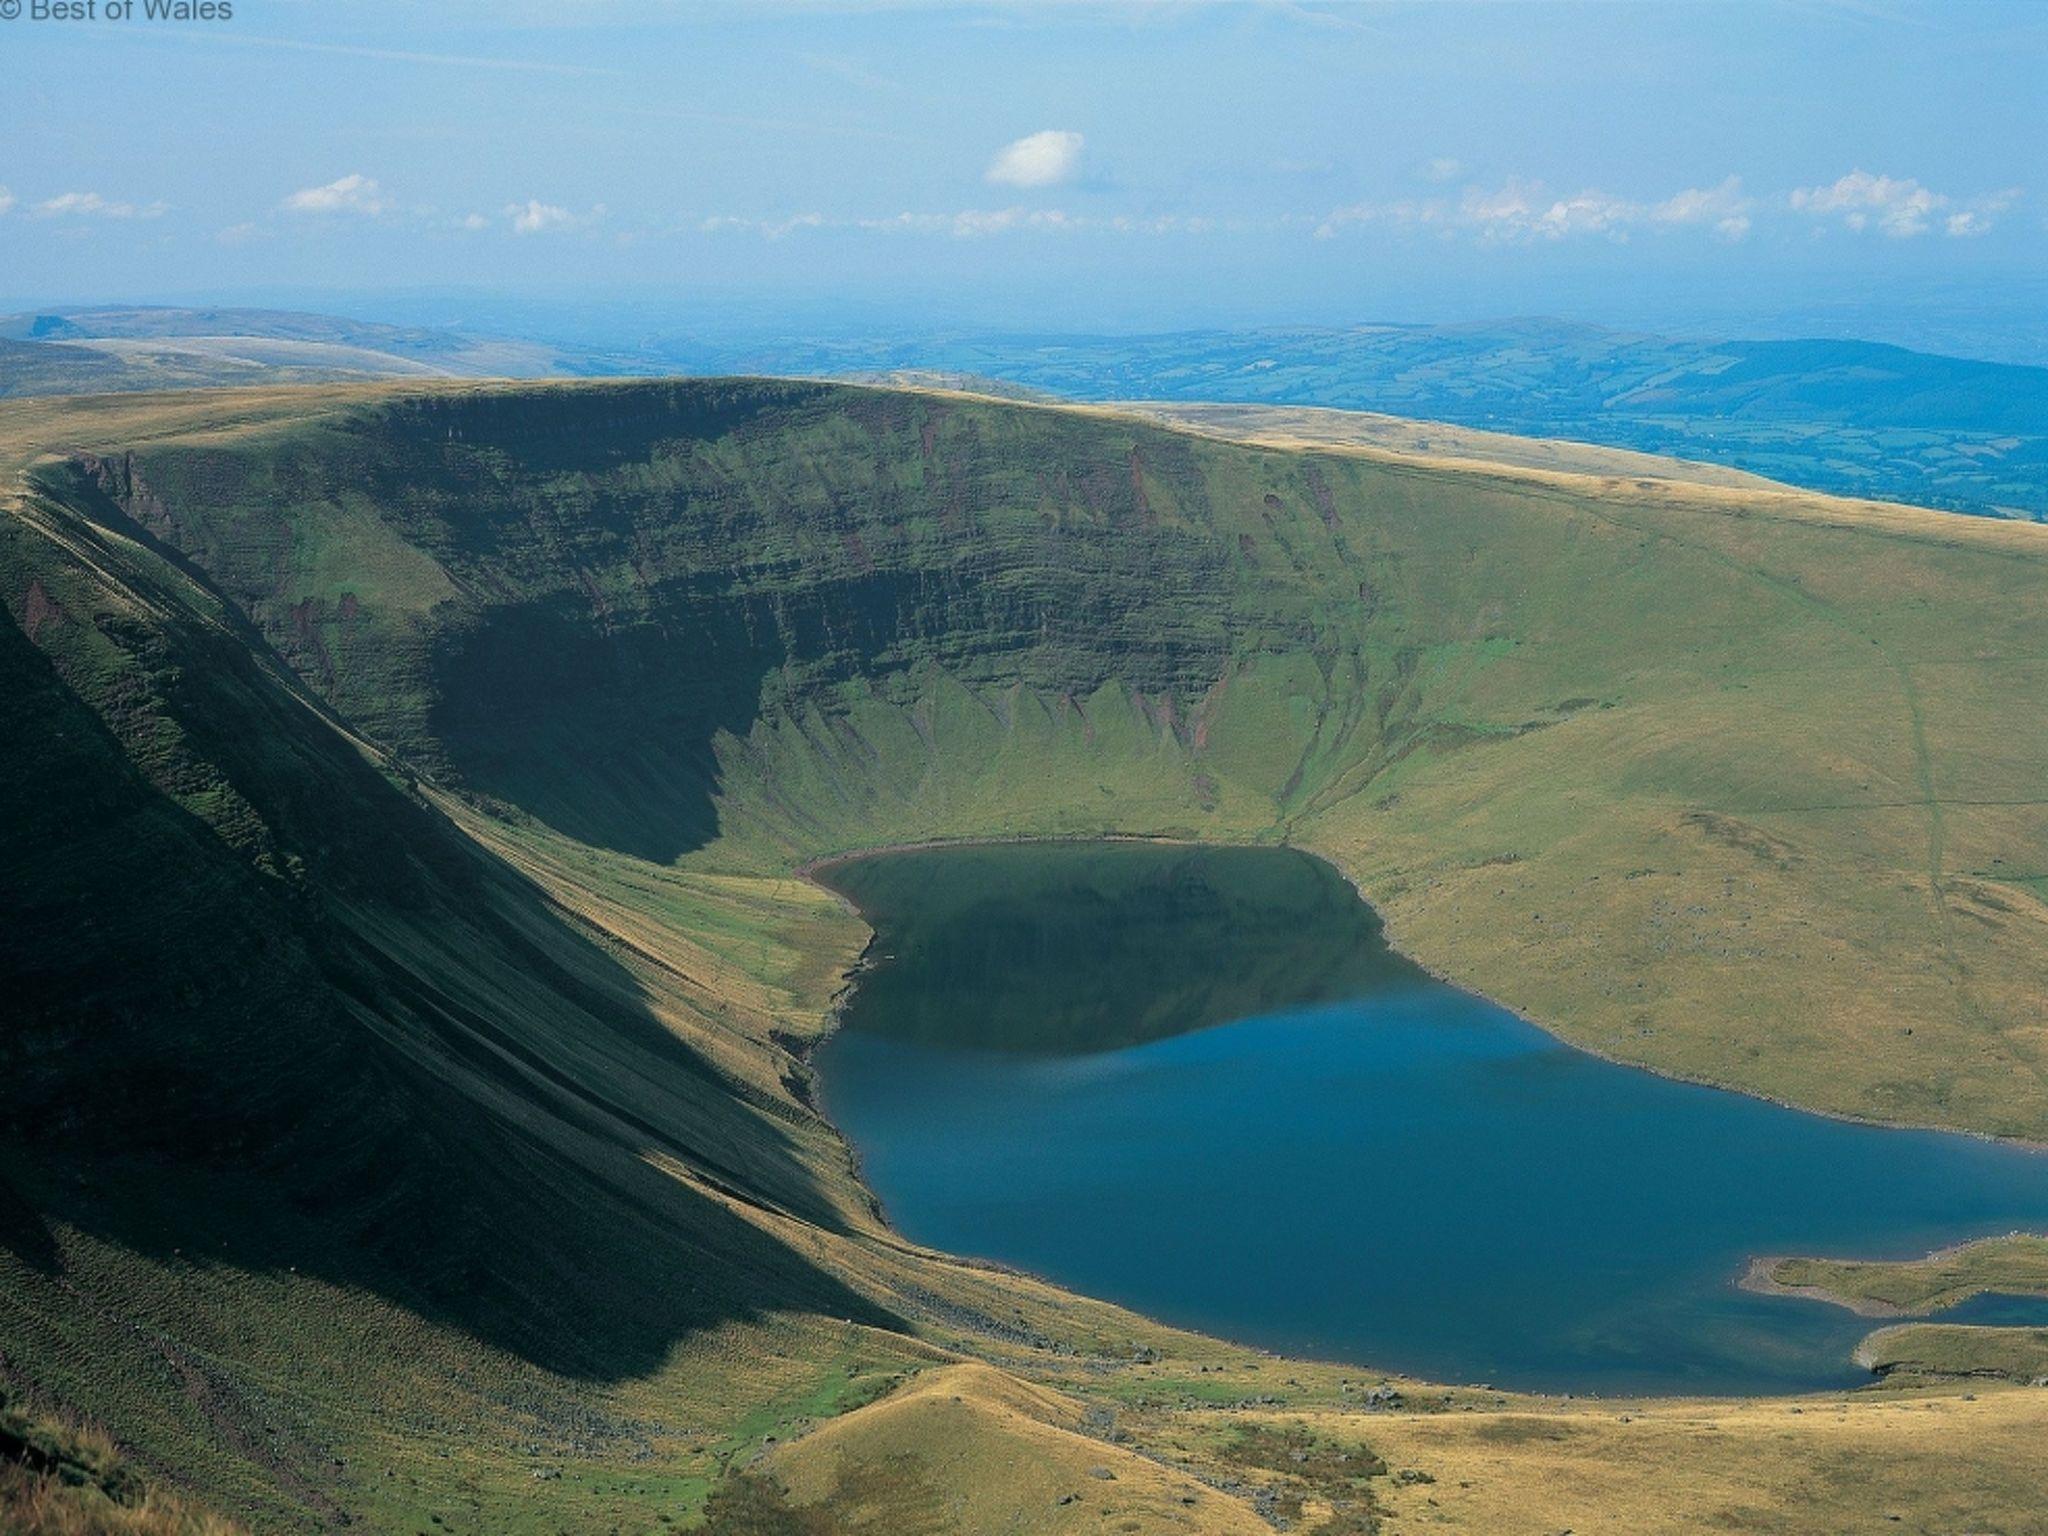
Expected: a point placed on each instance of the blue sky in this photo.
(1047, 164)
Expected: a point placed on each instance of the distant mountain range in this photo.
(110, 350)
(1848, 417)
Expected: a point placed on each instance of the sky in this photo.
(1050, 165)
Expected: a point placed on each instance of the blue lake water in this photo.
(1197, 1083)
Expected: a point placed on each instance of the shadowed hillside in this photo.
(250, 951)
(756, 622)
(407, 786)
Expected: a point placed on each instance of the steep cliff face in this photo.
(243, 949)
(576, 604)
(613, 608)
(731, 625)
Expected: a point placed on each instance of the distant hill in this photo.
(116, 350)
(1850, 418)
(1283, 426)
(1847, 417)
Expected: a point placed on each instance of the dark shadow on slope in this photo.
(641, 570)
(1069, 948)
(376, 1058)
(607, 730)
(24, 1233)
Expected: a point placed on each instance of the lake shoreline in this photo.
(810, 868)
(886, 893)
(1757, 1278)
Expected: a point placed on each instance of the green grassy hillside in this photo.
(1738, 786)
(406, 788)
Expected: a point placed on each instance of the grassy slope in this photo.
(1729, 785)
(2013, 1265)
(1315, 427)
(63, 1479)
(1946, 1351)
(1639, 733)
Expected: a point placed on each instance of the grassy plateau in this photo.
(404, 1109)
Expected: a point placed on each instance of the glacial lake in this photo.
(1196, 1082)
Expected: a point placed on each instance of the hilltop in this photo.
(401, 833)
(1850, 418)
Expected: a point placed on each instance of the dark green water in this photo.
(1196, 1082)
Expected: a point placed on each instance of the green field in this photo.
(2013, 1265)
(1955, 1350)
(401, 825)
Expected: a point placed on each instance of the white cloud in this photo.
(1520, 211)
(534, 217)
(767, 229)
(1510, 211)
(1724, 207)
(1337, 218)
(1042, 159)
(972, 223)
(1405, 212)
(1589, 213)
(1981, 213)
(355, 193)
(6, 199)
(782, 229)
(92, 205)
(1444, 168)
(474, 221)
(1900, 208)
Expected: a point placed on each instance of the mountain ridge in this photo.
(457, 749)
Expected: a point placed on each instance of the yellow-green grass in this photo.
(1312, 427)
(62, 1478)
(1814, 1467)
(1957, 1350)
(2013, 1265)
(1727, 784)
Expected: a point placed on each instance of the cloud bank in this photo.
(90, 205)
(1900, 208)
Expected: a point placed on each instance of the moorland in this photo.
(406, 1110)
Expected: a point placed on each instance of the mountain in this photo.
(1847, 417)
(404, 1108)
